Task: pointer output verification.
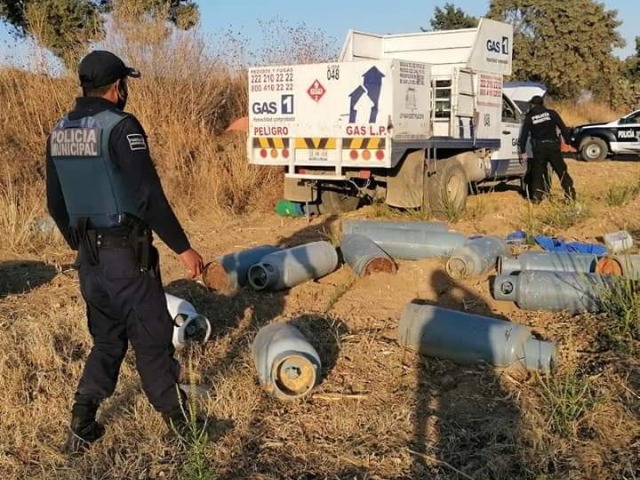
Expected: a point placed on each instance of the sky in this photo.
(336, 17)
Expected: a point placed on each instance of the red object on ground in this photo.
(239, 125)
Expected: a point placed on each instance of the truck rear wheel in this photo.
(447, 190)
(593, 149)
(338, 201)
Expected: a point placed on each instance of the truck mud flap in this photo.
(297, 190)
(405, 186)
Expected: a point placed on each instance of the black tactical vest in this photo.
(92, 184)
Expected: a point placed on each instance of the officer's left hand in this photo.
(193, 261)
(523, 158)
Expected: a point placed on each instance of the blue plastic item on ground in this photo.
(559, 245)
(517, 238)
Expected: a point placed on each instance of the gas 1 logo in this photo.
(285, 106)
(268, 108)
(497, 46)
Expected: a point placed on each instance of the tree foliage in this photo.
(632, 64)
(67, 27)
(451, 17)
(566, 44)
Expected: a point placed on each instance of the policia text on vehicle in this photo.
(106, 198)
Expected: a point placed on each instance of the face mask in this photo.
(123, 94)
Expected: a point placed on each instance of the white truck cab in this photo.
(416, 117)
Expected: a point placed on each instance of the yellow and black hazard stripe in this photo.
(315, 143)
(364, 143)
(270, 142)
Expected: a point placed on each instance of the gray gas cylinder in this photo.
(229, 272)
(554, 291)
(476, 257)
(466, 338)
(370, 227)
(548, 262)
(410, 244)
(288, 366)
(364, 256)
(290, 267)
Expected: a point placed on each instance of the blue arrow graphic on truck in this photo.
(371, 85)
(356, 95)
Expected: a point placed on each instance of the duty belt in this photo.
(111, 240)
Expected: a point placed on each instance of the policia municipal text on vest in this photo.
(95, 194)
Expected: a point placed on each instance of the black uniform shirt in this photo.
(542, 123)
(138, 170)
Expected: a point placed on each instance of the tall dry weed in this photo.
(187, 96)
(575, 114)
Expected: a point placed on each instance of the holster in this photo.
(140, 240)
(83, 235)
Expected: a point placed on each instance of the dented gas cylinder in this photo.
(465, 338)
(288, 366)
(290, 267)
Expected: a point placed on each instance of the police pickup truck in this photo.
(596, 141)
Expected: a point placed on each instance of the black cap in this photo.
(536, 100)
(100, 68)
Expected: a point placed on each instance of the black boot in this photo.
(187, 429)
(84, 429)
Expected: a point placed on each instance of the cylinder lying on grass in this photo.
(364, 256)
(554, 291)
(476, 257)
(627, 266)
(369, 228)
(189, 327)
(290, 267)
(288, 366)
(465, 338)
(409, 244)
(548, 262)
(228, 273)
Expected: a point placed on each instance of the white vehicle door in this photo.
(628, 133)
(505, 161)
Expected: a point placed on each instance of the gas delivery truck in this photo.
(417, 119)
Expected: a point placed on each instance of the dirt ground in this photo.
(379, 412)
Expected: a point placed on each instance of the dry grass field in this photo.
(380, 412)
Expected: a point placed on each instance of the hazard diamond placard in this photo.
(316, 91)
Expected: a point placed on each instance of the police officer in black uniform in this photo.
(106, 198)
(543, 124)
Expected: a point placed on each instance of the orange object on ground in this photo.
(239, 125)
(609, 266)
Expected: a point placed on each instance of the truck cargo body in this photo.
(437, 94)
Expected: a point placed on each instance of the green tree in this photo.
(67, 27)
(632, 63)
(451, 17)
(566, 44)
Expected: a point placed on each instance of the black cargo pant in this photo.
(548, 152)
(126, 304)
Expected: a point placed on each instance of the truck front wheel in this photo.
(593, 149)
(334, 201)
(446, 191)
